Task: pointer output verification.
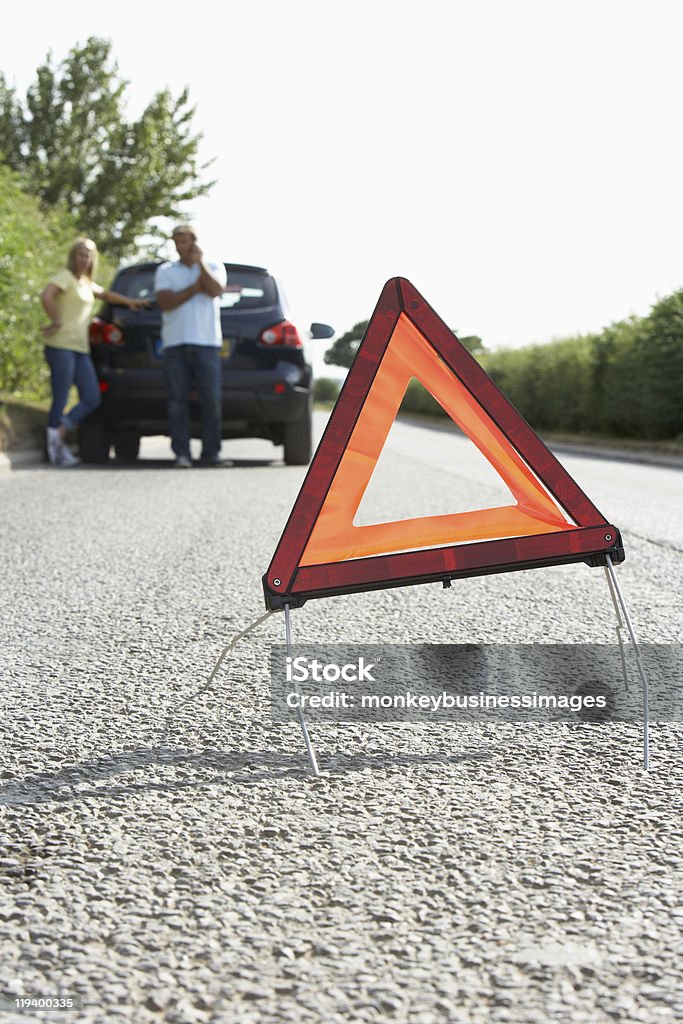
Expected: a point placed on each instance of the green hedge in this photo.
(326, 390)
(624, 382)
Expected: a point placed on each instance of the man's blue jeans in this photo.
(67, 368)
(184, 364)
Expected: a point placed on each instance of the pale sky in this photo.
(520, 161)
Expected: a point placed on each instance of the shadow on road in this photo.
(165, 464)
(87, 780)
(116, 465)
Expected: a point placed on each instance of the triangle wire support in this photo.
(302, 721)
(620, 626)
(617, 596)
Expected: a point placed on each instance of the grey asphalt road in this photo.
(165, 854)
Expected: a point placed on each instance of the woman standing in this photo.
(69, 299)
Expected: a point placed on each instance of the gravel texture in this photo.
(178, 863)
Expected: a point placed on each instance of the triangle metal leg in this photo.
(620, 626)
(302, 721)
(620, 608)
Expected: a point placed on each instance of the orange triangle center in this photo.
(334, 536)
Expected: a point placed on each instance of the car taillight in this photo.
(102, 333)
(283, 333)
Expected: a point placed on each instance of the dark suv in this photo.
(267, 381)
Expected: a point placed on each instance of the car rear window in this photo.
(246, 288)
(136, 284)
(252, 289)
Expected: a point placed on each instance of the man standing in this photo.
(187, 292)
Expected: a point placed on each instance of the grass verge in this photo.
(22, 423)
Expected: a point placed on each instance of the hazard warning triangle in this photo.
(322, 552)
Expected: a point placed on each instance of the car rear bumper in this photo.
(253, 403)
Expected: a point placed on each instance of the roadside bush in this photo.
(33, 245)
(625, 382)
(549, 384)
(325, 389)
(651, 378)
(418, 400)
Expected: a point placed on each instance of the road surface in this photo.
(175, 862)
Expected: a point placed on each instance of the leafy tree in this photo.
(342, 352)
(72, 145)
(472, 343)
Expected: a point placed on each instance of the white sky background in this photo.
(520, 161)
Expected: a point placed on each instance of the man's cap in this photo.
(184, 229)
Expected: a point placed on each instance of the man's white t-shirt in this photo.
(197, 321)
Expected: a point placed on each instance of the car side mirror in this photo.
(321, 331)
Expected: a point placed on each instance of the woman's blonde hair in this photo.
(83, 243)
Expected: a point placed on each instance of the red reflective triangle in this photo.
(322, 552)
